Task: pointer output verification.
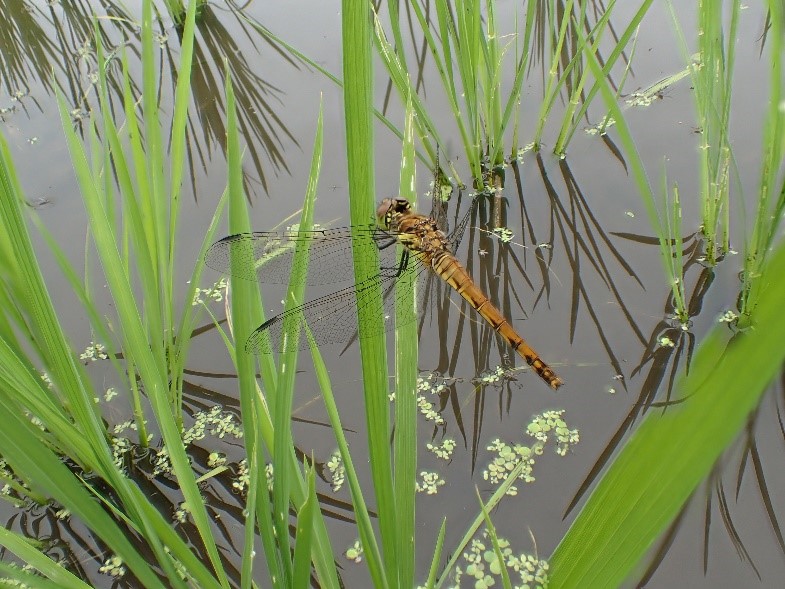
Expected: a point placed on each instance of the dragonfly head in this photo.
(389, 209)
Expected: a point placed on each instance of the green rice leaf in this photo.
(358, 96)
(301, 574)
(673, 451)
(364, 525)
(406, 353)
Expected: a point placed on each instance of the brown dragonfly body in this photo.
(422, 237)
(268, 256)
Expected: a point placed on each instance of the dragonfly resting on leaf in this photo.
(268, 256)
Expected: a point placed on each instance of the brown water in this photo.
(580, 282)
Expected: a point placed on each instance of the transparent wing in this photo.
(333, 318)
(268, 256)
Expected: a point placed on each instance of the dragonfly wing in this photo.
(331, 318)
(441, 189)
(268, 256)
(460, 227)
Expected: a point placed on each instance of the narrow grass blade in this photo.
(495, 542)
(365, 527)
(609, 62)
(399, 75)
(23, 578)
(437, 555)
(771, 191)
(301, 574)
(493, 501)
(406, 353)
(246, 314)
(552, 81)
(633, 158)
(283, 444)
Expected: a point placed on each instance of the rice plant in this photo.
(712, 80)
(674, 271)
(148, 338)
(771, 194)
(132, 198)
(574, 78)
(468, 51)
(669, 455)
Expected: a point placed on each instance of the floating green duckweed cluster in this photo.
(484, 566)
(430, 383)
(493, 376)
(94, 352)
(337, 471)
(216, 459)
(242, 478)
(551, 424)
(429, 482)
(214, 293)
(216, 422)
(428, 410)
(443, 450)
(355, 552)
(548, 426)
(503, 234)
(728, 317)
(113, 566)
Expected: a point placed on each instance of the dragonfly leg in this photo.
(404, 262)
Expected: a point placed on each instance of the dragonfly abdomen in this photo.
(452, 271)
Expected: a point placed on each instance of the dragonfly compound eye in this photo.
(384, 212)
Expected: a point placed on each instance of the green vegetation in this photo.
(56, 447)
(771, 195)
(712, 78)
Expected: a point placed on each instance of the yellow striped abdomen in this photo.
(452, 272)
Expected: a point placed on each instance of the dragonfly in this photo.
(268, 256)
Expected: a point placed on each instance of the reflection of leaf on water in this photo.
(217, 54)
(40, 39)
(589, 250)
(664, 351)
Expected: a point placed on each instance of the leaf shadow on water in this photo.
(39, 41)
(216, 55)
(583, 238)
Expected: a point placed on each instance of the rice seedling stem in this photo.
(771, 195)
